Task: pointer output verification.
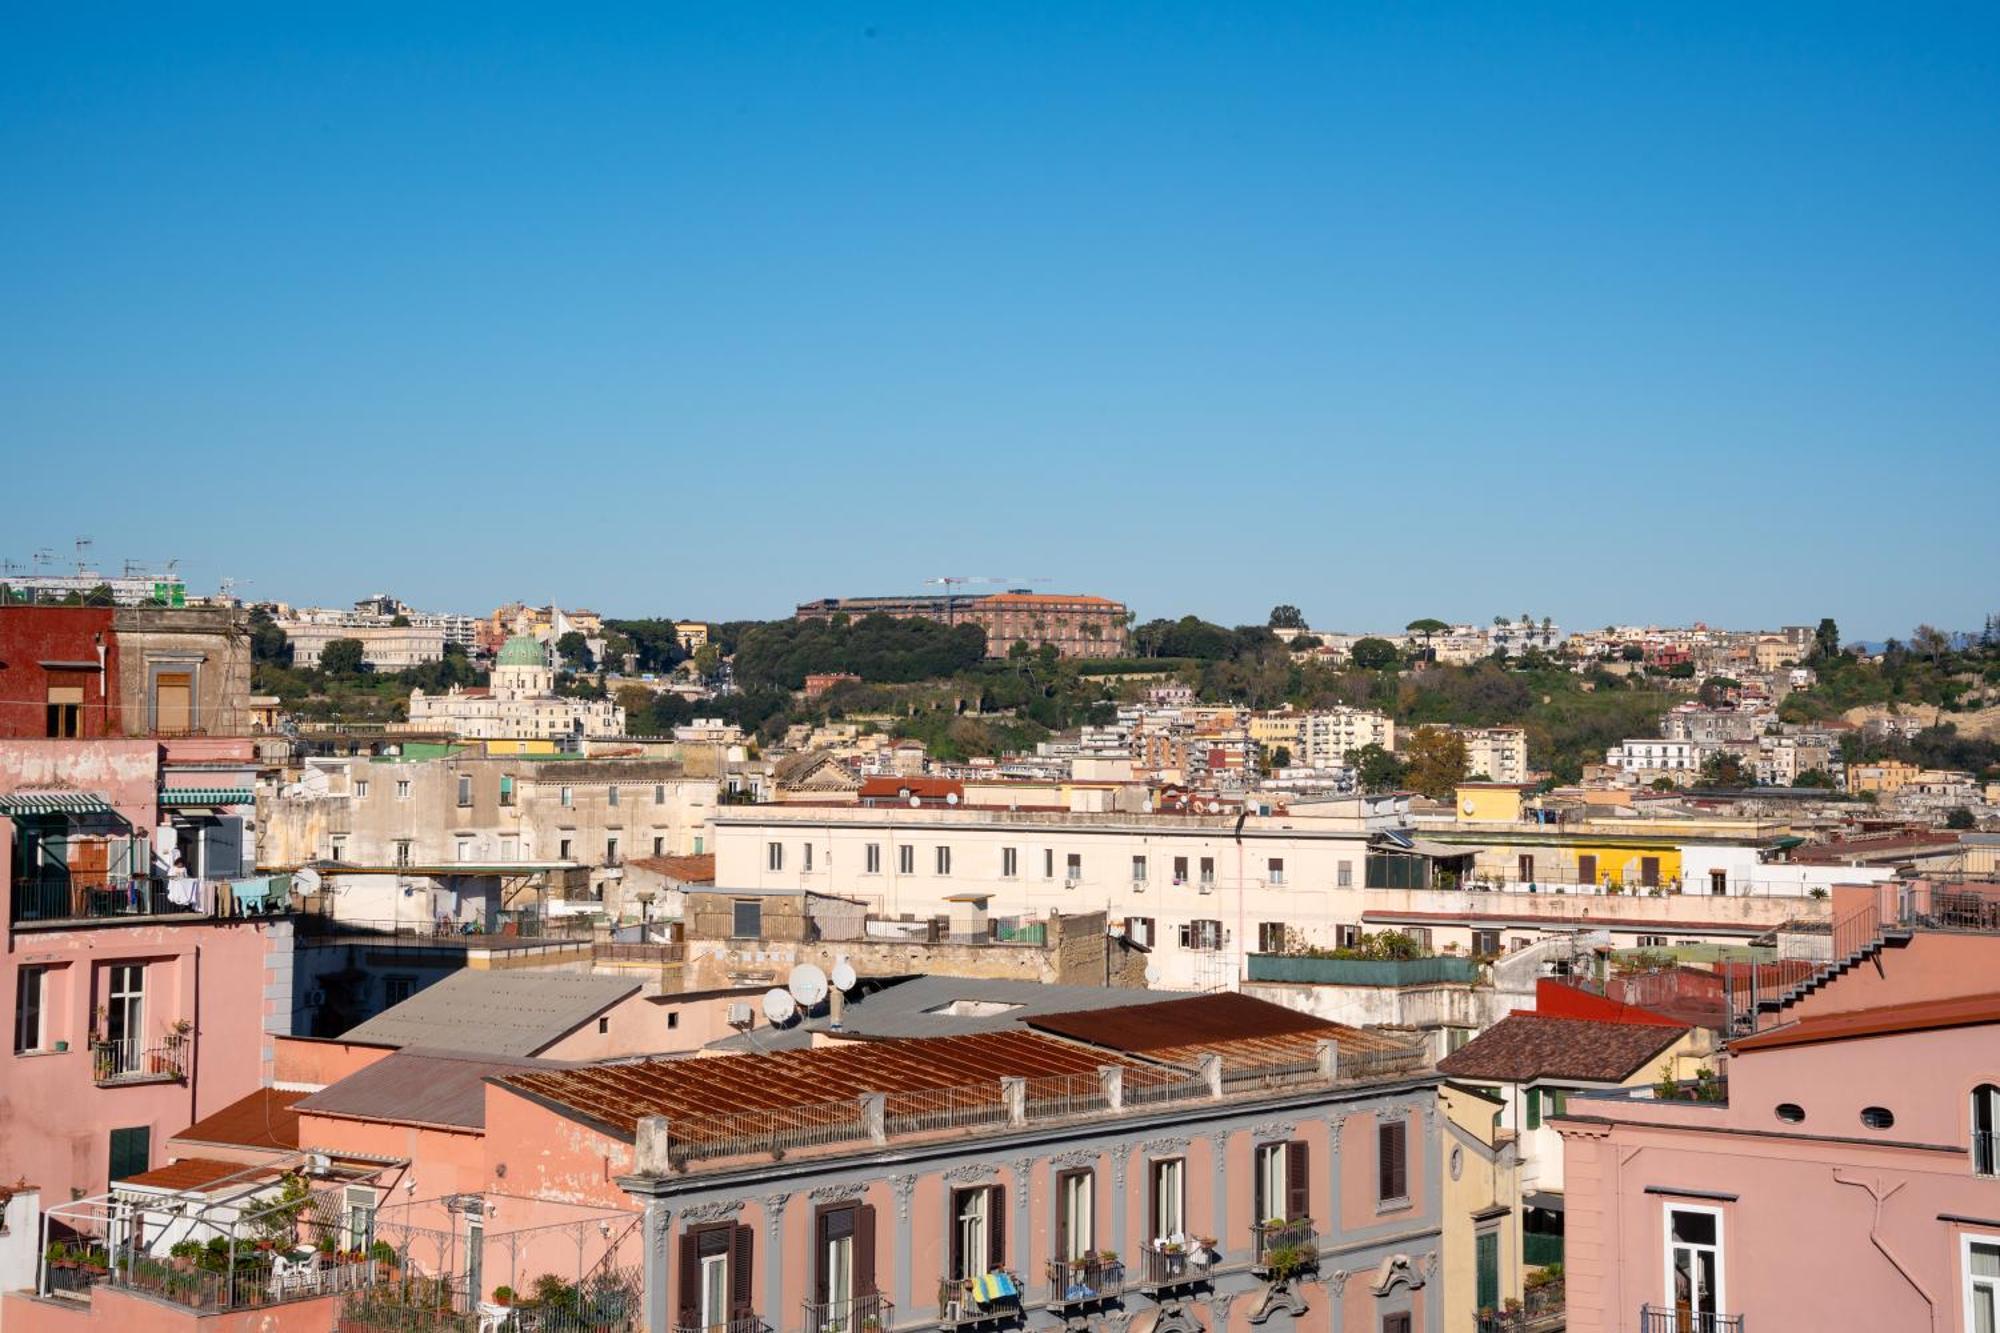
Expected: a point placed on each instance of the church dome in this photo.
(520, 650)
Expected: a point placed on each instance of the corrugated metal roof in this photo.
(264, 1119)
(1189, 1020)
(420, 1088)
(197, 1173)
(495, 1013)
(689, 1090)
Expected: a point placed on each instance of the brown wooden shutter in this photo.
(822, 1237)
(1062, 1216)
(690, 1303)
(996, 1228)
(1153, 1200)
(741, 1252)
(960, 1261)
(1298, 1181)
(864, 1251)
(1391, 1142)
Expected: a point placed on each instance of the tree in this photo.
(399, 621)
(1286, 616)
(1436, 761)
(268, 644)
(1961, 818)
(1375, 768)
(1814, 777)
(1428, 626)
(1281, 757)
(342, 657)
(1372, 654)
(573, 650)
(1717, 690)
(1826, 639)
(1305, 643)
(1725, 769)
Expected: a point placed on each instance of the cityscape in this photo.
(1488, 822)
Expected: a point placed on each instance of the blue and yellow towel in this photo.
(990, 1287)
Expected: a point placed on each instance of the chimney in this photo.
(650, 1147)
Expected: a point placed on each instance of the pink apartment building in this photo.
(1851, 1178)
(137, 997)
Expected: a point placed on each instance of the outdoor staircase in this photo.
(1858, 938)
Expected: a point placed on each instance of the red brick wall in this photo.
(31, 635)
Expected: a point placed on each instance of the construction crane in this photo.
(952, 582)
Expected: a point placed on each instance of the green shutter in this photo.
(131, 1151)
(1489, 1270)
(1534, 1108)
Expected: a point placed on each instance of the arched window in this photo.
(1986, 1130)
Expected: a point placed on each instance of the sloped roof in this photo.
(420, 1088)
(264, 1119)
(1187, 1020)
(1524, 1047)
(196, 1173)
(683, 869)
(1889, 1020)
(942, 1006)
(515, 1013)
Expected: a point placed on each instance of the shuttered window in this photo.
(1392, 1159)
(131, 1151)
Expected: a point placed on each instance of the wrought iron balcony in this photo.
(1283, 1248)
(130, 1061)
(857, 1314)
(1175, 1264)
(961, 1306)
(1086, 1281)
(748, 1323)
(1660, 1319)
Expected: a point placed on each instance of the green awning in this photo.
(1787, 843)
(207, 796)
(54, 803)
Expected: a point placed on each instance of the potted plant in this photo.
(183, 1253)
(58, 1255)
(384, 1255)
(503, 1295)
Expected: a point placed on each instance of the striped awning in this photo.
(206, 796)
(53, 803)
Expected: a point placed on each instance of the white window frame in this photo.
(942, 859)
(1010, 862)
(402, 789)
(1139, 869)
(774, 857)
(1667, 1210)
(871, 860)
(906, 859)
(1966, 1240)
(1175, 1168)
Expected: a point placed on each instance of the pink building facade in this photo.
(1851, 1180)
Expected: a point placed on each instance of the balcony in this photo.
(54, 899)
(1280, 1249)
(1093, 1279)
(990, 1299)
(857, 1314)
(1659, 1319)
(1167, 1265)
(1539, 1310)
(117, 1063)
(748, 1323)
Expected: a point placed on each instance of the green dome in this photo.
(520, 650)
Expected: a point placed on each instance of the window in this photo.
(1878, 1117)
(1652, 941)
(568, 796)
(659, 845)
(173, 701)
(506, 789)
(611, 796)
(563, 850)
(747, 921)
(1169, 1197)
(603, 1024)
(1694, 1262)
(1208, 872)
(1203, 935)
(871, 859)
(715, 1277)
(1397, 1323)
(1274, 870)
(359, 1220)
(1180, 870)
(1139, 930)
(402, 789)
(361, 789)
(774, 856)
(1985, 1127)
(1345, 876)
(843, 1263)
(131, 1151)
(1534, 1108)
(403, 852)
(336, 849)
(1281, 1182)
(1010, 862)
(1048, 863)
(1485, 943)
(1586, 870)
(1486, 1270)
(1982, 1285)
(396, 989)
(659, 793)
(1138, 870)
(1347, 937)
(1270, 937)
(465, 849)
(806, 857)
(30, 998)
(1392, 1164)
(906, 860)
(1076, 1214)
(978, 1231)
(1073, 867)
(943, 860)
(611, 852)
(65, 717)
(1790, 1112)
(464, 790)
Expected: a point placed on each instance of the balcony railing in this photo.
(748, 1323)
(61, 898)
(961, 1304)
(132, 1061)
(1284, 1247)
(1539, 1310)
(619, 952)
(858, 1314)
(1985, 1152)
(1659, 1319)
(1175, 1264)
(1085, 1281)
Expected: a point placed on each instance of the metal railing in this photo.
(61, 898)
(606, 1301)
(748, 1323)
(1539, 1310)
(618, 952)
(257, 1280)
(130, 1060)
(1272, 1242)
(1659, 1319)
(1177, 1266)
(1985, 1152)
(1086, 1280)
(858, 1314)
(957, 1307)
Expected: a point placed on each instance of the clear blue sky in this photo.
(1653, 312)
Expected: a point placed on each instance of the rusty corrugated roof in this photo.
(618, 1094)
(264, 1119)
(196, 1173)
(1198, 1019)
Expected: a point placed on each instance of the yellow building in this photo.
(1270, 730)
(693, 635)
(1886, 777)
(1481, 1170)
(538, 747)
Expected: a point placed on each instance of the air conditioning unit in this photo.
(315, 998)
(739, 1014)
(1138, 886)
(1206, 888)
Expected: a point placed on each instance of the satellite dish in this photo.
(843, 975)
(808, 984)
(778, 1006)
(1153, 974)
(916, 801)
(951, 798)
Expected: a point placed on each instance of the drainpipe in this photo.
(1881, 1197)
(194, 1040)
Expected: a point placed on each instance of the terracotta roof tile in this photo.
(1524, 1047)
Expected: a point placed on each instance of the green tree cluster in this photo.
(875, 648)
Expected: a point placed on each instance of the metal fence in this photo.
(1656, 1319)
(62, 898)
(1272, 1242)
(1086, 1280)
(133, 1061)
(859, 1314)
(1177, 1266)
(605, 1301)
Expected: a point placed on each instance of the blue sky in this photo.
(1656, 312)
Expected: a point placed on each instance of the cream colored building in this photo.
(520, 704)
(1326, 736)
(383, 647)
(693, 635)
(1501, 753)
